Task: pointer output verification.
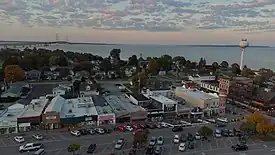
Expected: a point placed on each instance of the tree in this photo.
(140, 138)
(133, 61)
(153, 67)
(14, 73)
(140, 80)
(215, 66)
(165, 62)
(255, 118)
(105, 65)
(247, 72)
(236, 69)
(10, 61)
(205, 131)
(224, 64)
(73, 148)
(62, 61)
(53, 61)
(202, 63)
(248, 127)
(264, 127)
(115, 53)
(179, 60)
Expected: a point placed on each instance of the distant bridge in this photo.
(15, 44)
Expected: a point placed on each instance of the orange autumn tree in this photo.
(255, 118)
(14, 73)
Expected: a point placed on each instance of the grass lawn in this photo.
(268, 137)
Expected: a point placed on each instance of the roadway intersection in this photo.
(57, 143)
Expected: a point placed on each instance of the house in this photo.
(89, 89)
(130, 71)
(112, 74)
(82, 73)
(33, 74)
(162, 73)
(63, 71)
(61, 90)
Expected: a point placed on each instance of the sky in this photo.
(139, 21)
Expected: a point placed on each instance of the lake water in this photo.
(255, 57)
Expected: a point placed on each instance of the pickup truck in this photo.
(30, 147)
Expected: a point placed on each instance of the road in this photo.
(56, 143)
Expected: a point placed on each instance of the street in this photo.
(57, 143)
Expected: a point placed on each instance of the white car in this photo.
(37, 136)
(19, 139)
(176, 139)
(218, 133)
(129, 128)
(75, 133)
(164, 125)
(152, 142)
(100, 131)
(119, 144)
(198, 136)
(160, 140)
(182, 147)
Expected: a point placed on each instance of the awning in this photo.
(24, 125)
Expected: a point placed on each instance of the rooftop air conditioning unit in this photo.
(70, 111)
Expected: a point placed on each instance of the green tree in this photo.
(215, 66)
(140, 80)
(202, 63)
(235, 69)
(179, 60)
(205, 131)
(165, 62)
(247, 72)
(105, 65)
(224, 64)
(133, 61)
(115, 53)
(72, 148)
(53, 61)
(153, 67)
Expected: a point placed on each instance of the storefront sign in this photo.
(170, 108)
(50, 117)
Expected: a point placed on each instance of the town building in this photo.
(61, 90)
(208, 103)
(211, 86)
(138, 99)
(31, 117)
(33, 74)
(51, 115)
(105, 113)
(8, 119)
(124, 110)
(14, 90)
(79, 111)
(198, 78)
(88, 89)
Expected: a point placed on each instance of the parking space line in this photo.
(230, 141)
(12, 141)
(58, 152)
(210, 146)
(171, 144)
(105, 147)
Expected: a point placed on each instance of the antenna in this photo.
(67, 39)
(57, 36)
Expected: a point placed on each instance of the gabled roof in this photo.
(56, 104)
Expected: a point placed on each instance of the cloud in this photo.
(144, 15)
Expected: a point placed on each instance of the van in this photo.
(39, 152)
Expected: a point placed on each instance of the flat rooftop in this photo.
(122, 105)
(12, 113)
(138, 97)
(35, 108)
(162, 99)
(78, 107)
(196, 94)
(101, 105)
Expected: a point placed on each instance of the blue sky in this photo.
(146, 19)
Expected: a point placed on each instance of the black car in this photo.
(231, 133)
(225, 133)
(83, 131)
(107, 130)
(158, 150)
(132, 152)
(183, 138)
(191, 145)
(240, 147)
(150, 150)
(190, 137)
(177, 129)
(91, 148)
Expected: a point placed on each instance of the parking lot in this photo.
(56, 144)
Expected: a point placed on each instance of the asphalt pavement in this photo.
(57, 143)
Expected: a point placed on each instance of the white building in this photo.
(60, 90)
(198, 78)
(168, 105)
(8, 118)
(209, 103)
(210, 86)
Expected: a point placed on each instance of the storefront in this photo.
(106, 119)
(28, 123)
(51, 120)
(7, 127)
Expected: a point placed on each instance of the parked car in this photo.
(182, 147)
(129, 128)
(99, 131)
(83, 131)
(150, 150)
(153, 140)
(218, 133)
(37, 136)
(91, 148)
(107, 130)
(19, 139)
(121, 128)
(158, 150)
(164, 125)
(176, 139)
(91, 131)
(231, 133)
(198, 136)
(190, 137)
(240, 147)
(177, 129)
(30, 147)
(160, 140)
(119, 144)
(191, 145)
(75, 133)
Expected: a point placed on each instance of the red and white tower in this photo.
(243, 45)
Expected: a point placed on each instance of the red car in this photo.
(121, 128)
